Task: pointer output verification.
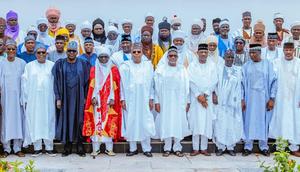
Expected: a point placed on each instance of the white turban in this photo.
(224, 21)
(178, 34)
(296, 23)
(149, 15)
(124, 21)
(67, 22)
(86, 25)
(32, 28)
(103, 50)
(198, 22)
(175, 19)
(112, 29)
(278, 16)
(41, 21)
(212, 39)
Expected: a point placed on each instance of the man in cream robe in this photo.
(228, 128)
(285, 122)
(185, 56)
(37, 88)
(203, 81)
(171, 82)
(137, 101)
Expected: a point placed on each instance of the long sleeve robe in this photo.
(259, 84)
(171, 92)
(228, 128)
(10, 87)
(38, 96)
(203, 80)
(70, 86)
(138, 89)
(285, 122)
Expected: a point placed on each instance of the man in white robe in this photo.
(228, 127)
(37, 88)
(137, 101)
(196, 36)
(203, 81)
(185, 56)
(271, 52)
(246, 31)
(285, 121)
(124, 54)
(11, 70)
(171, 82)
(295, 37)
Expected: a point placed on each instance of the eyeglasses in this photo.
(72, 51)
(136, 52)
(11, 49)
(41, 52)
(239, 42)
(103, 57)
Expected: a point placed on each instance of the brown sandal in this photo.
(4, 155)
(179, 154)
(166, 154)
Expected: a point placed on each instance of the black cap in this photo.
(164, 25)
(288, 45)
(125, 38)
(202, 47)
(272, 36)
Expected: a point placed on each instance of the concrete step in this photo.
(157, 147)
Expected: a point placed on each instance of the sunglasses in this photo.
(136, 52)
(11, 49)
(72, 51)
(103, 57)
(41, 52)
(1, 45)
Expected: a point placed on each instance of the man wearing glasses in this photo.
(137, 101)
(11, 70)
(71, 76)
(37, 87)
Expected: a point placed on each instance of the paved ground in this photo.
(141, 163)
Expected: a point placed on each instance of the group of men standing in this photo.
(211, 87)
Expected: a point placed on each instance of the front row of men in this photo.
(103, 103)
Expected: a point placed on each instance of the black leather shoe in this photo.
(231, 153)
(219, 152)
(132, 153)
(65, 153)
(148, 154)
(81, 153)
(246, 152)
(265, 152)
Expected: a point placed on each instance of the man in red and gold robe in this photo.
(103, 113)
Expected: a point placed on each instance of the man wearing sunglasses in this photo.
(37, 87)
(241, 55)
(171, 82)
(71, 76)
(137, 101)
(11, 70)
(103, 124)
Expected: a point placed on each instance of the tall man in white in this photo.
(228, 128)
(137, 101)
(285, 121)
(171, 82)
(37, 87)
(203, 81)
(11, 70)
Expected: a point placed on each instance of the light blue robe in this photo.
(259, 84)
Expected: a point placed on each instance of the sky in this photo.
(80, 10)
